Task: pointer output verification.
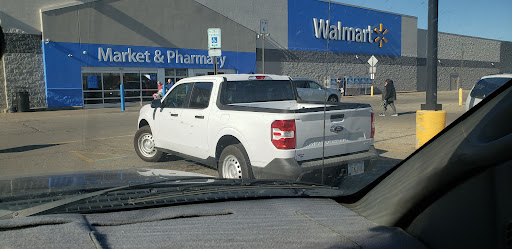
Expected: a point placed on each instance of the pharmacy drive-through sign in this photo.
(214, 38)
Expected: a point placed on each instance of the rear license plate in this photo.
(355, 168)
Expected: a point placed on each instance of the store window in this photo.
(102, 89)
(93, 88)
(131, 83)
(175, 74)
(148, 86)
(111, 84)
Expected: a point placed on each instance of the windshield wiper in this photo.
(51, 205)
(182, 189)
(244, 185)
(55, 204)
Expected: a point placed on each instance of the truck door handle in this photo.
(199, 117)
(337, 116)
(174, 114)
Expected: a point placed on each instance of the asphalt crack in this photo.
(30, 127)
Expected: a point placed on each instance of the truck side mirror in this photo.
(156, 103)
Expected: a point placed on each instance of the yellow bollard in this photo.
(428, 124)
(372, 90)
(460, 96)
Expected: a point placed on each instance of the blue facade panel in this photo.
(356, 25)
(63, 63)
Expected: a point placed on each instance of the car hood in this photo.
(16, 185)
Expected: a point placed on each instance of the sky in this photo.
(489, 19)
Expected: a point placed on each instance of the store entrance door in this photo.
(102, 88)
(139, 86)
(454, 80)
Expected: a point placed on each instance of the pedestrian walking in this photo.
(340, 86)
(388, 98)
(168, 85)
(2, 41)
(160, 93)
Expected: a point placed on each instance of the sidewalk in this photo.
(44, 113)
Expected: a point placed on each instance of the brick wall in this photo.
(24, 72)
(408, 73)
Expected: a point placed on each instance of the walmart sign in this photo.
(349, 30)
(338, 32)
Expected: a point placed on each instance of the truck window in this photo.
(300, 84)
(176, 98)
(200, 97)
(314, 85)
(257, 91)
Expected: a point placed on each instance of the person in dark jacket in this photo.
(168, 85)
(2, 41)
(388, 98)
(340, 86)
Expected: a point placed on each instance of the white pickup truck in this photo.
(255, 126)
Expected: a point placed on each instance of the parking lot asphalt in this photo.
(70, 141)
(395, 137)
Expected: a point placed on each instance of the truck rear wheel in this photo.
(234, 163)
(145, 145)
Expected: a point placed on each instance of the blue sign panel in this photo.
(349, 30)
(64, 61)
(92, 81)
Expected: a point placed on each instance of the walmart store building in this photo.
(77, 53)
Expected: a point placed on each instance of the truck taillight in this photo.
(372, 135)
(259, 77)
(283, 134)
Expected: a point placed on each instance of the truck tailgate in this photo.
(346, 131)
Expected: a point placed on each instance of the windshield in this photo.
(484, 87)
(102, 94)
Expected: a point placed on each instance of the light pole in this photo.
(431, 119)
(432, 43)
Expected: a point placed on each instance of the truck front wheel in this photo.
(145, 145)
(234, 163)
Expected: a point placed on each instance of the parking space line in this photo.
(98, 153)
(122, 149)
(112, 158)
(90, 160)
(113, 143)
(82, 156)
(101, 138)
(122, 139)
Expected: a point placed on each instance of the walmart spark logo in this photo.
(381, 32)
